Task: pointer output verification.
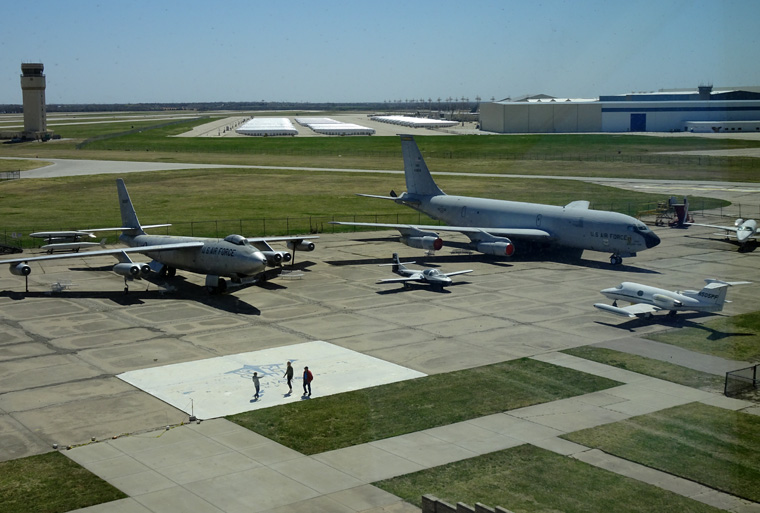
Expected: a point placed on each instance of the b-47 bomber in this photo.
(244, 260)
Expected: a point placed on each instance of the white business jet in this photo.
(646, 300)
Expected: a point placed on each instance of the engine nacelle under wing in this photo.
(666, 302)
(429, 242)
(303, 245)
(131, 269)
(497, 248)
(21, 269)
(275, 258)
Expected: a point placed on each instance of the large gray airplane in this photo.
(242, 259)
(492, 225)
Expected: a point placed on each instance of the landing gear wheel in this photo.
(221, 288)
(616, 260)
(171, 272)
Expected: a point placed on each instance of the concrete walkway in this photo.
(217, 466)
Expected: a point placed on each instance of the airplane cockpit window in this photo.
(238, 240)
(640, 227)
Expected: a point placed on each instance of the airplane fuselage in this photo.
(572, 227)
(234, 258)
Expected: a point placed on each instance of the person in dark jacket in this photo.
(308, 377)
(289, 375)
(255, 379)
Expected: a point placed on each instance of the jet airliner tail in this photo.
(418, 178)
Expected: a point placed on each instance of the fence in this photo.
(10, 175)
(741, 381)
(432, 504)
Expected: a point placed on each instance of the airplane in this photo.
(492, 225)
(646, 300)
(744, 231)
(434, 277)
(241, 259)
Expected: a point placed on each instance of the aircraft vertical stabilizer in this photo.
(418, 178)
(128, 214)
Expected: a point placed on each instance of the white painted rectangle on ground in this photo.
(222, 386)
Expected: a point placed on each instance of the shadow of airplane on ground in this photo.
(155, 287)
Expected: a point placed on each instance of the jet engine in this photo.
(303, 245)
(497, 248)
(131, 269)
(666, 302)
(429, 242)
(21, 269)
(275, 258)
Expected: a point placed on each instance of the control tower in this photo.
(33, 89)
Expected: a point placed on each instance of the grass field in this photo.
(398, 408)
(735, 338)
(612, 155)
(181, 197)
(649, 367)
(50, 483)
(527, 478)
(713, 446)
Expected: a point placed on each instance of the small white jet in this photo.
(744, 231)
(241, 259)
(434, 277)
(646, 300)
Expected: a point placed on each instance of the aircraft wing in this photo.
(726, 228)
(400, 280)
(458, 272)
(101, 252)
(523, 233)
(632, 311)
(270, 239)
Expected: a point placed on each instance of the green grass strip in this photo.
(713, 446)
(527, 478)
(50, 483)
(735, 338)
(361, 416)
(649, 367)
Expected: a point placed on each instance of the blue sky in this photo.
(159, 51)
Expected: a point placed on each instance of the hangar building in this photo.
(674, 111)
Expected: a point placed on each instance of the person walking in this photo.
(308, 377)
(255, 379)
(289, 375)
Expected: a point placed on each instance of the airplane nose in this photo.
(256, 262)
(651, 240)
